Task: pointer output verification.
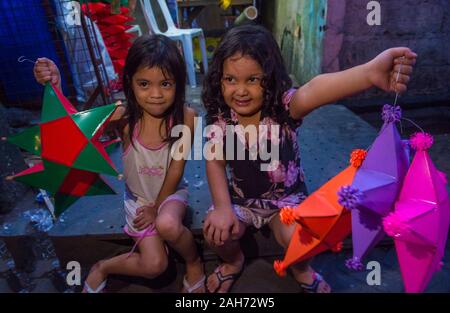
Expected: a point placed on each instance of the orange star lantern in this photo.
(322, 221)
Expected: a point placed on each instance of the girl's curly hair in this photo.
(257, 42)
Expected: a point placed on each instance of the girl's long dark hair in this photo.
(159, 51)
(258, 43)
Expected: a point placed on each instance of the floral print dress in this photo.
(258, 195)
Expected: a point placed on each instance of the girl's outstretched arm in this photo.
(380, 72)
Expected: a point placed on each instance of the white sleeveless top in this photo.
(145, 169)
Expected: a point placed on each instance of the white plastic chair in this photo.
(185, 36)
(135, 29)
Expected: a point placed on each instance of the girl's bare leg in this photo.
(170, 227)
(149, 262)
(233, 261)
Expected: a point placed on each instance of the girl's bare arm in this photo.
(380, 72)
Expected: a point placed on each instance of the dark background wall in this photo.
(422, 25)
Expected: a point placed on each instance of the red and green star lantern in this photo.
(72, 155)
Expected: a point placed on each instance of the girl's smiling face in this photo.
(154, 91)
(241, 84)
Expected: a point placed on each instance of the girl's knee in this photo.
(282, 241)
(153, 267)
(100, 266)
(282, 233)
(169, 227)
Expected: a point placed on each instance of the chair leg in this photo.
(189, 59)
(204, 55)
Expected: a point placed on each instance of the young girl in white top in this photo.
(155, 200)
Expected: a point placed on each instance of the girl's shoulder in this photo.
(287, 97)
(286, 100)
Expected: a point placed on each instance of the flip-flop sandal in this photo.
(198, 284)
(313, 287)
(221, 278)
(99, 289)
